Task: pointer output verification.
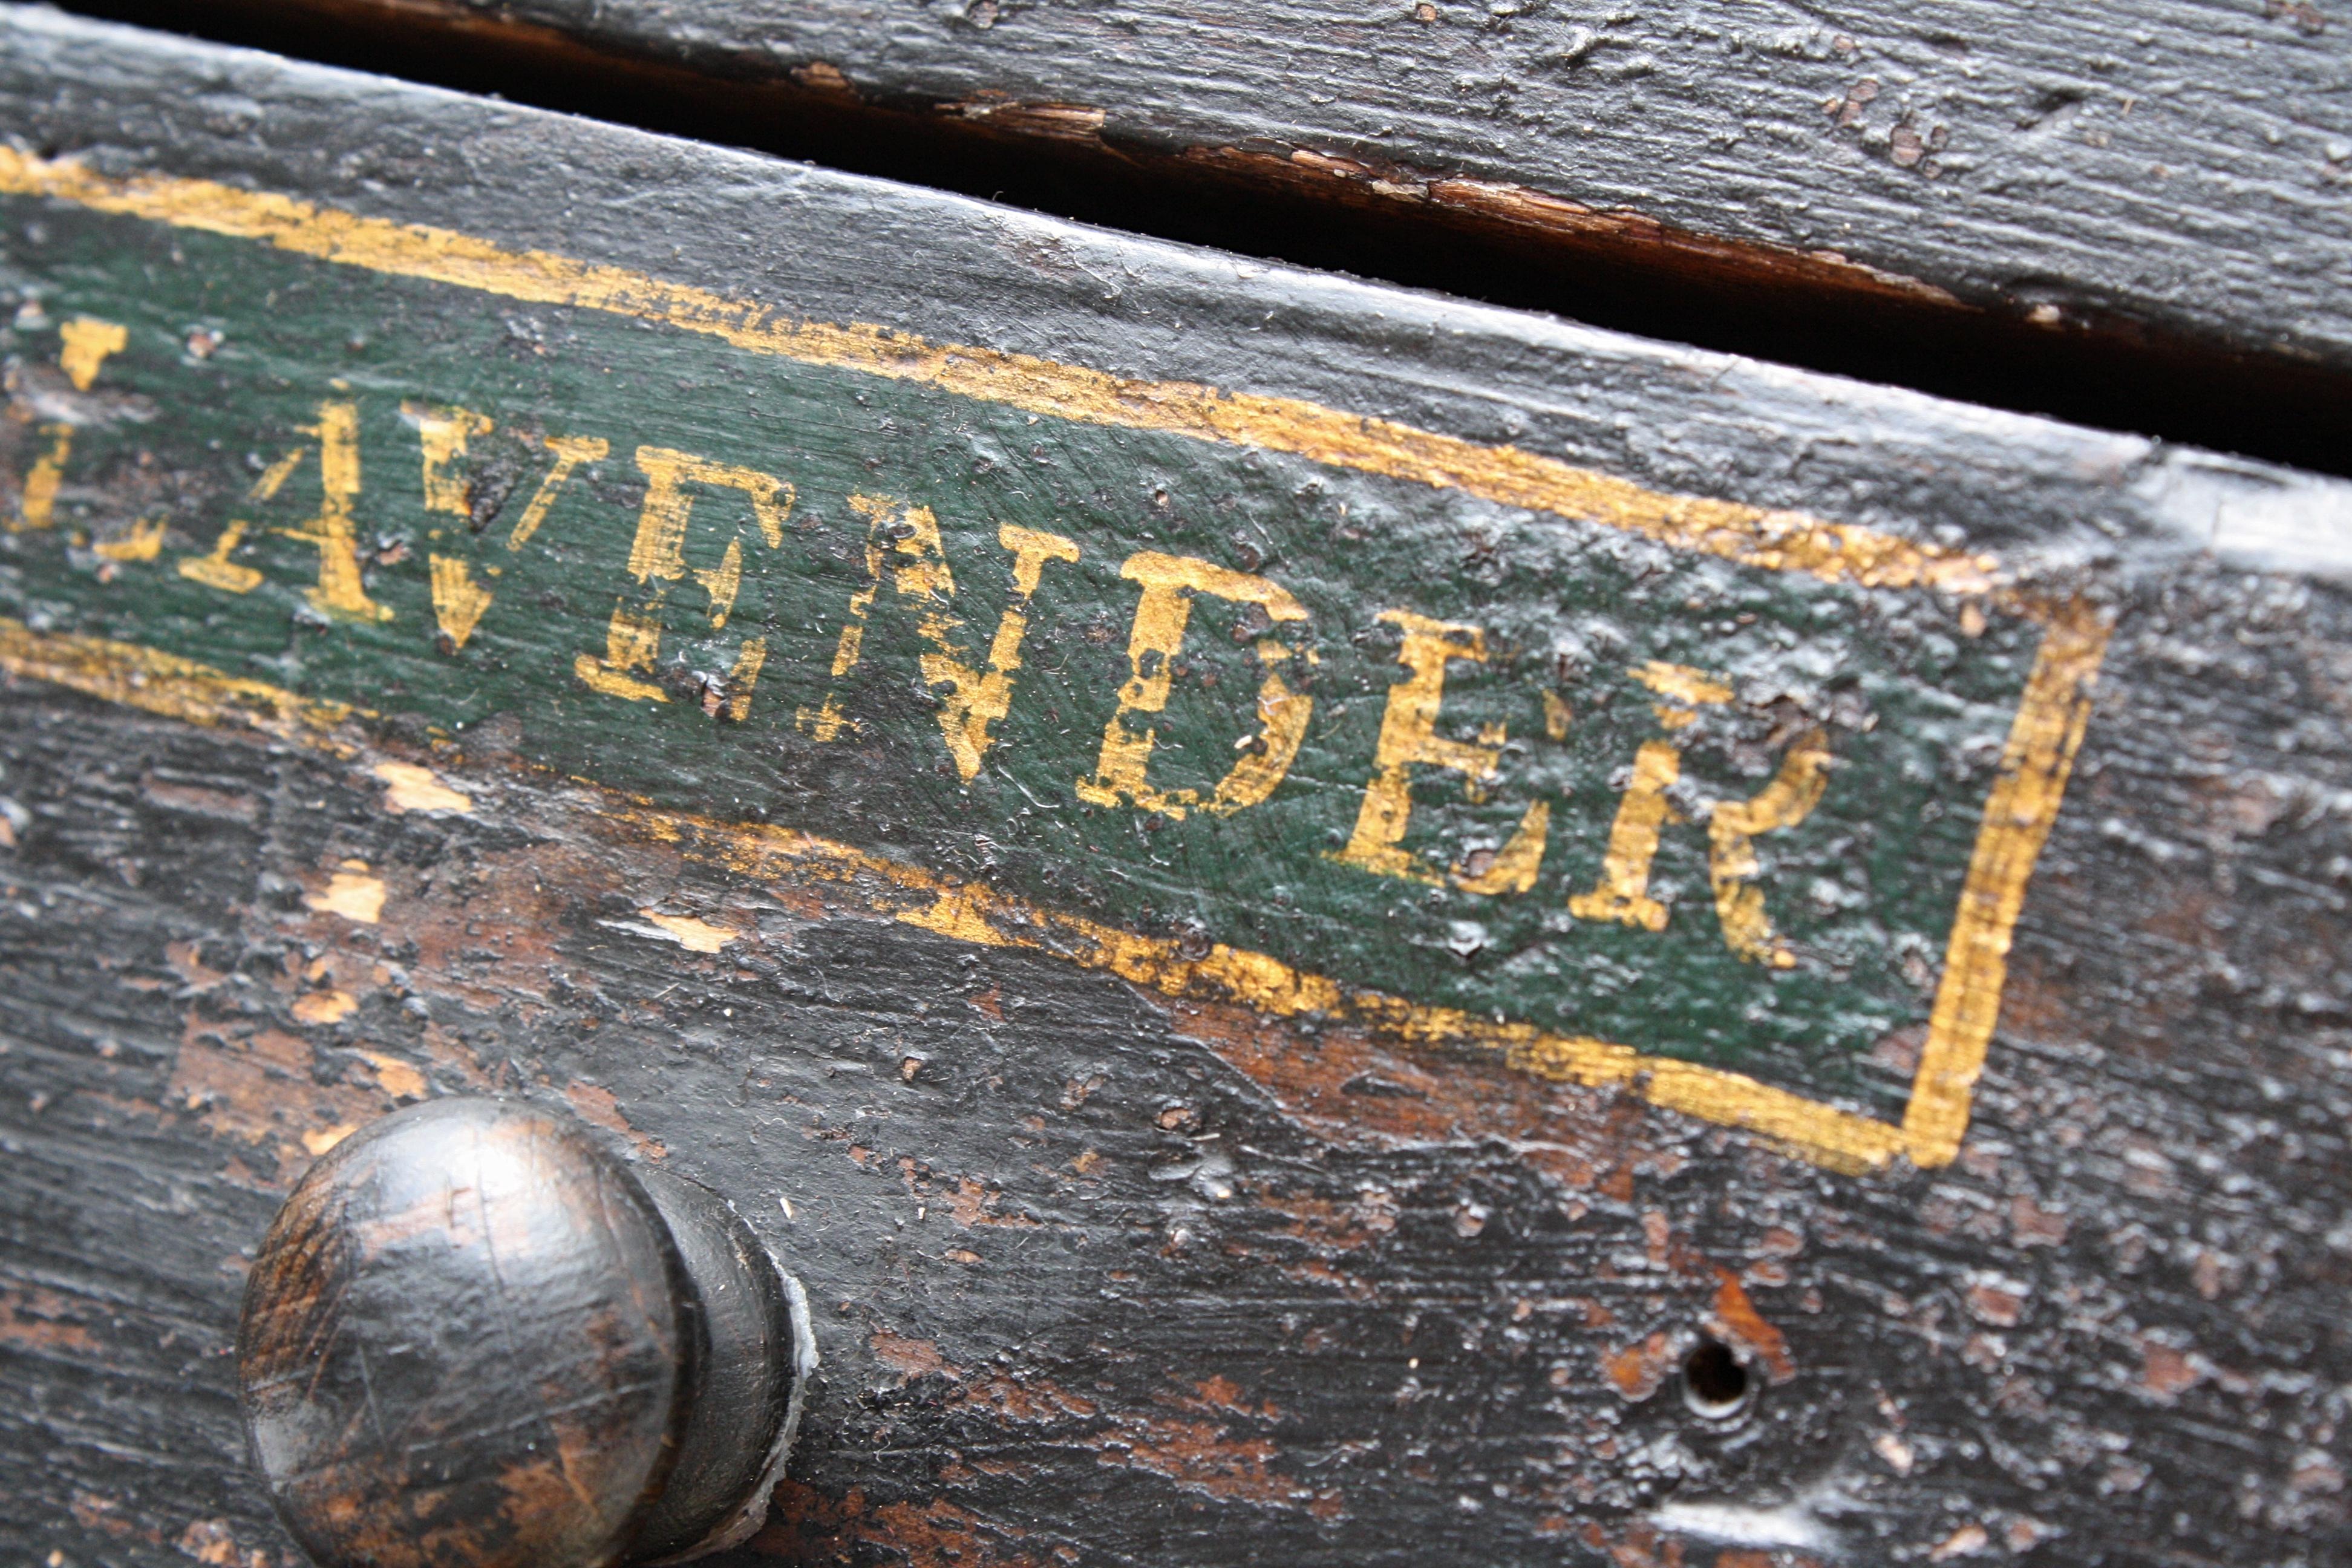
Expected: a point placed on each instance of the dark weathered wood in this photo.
(2137, 217)
(2182, 164)
(1120, 1252)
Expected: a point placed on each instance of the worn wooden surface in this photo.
(1117, 1252)
(2134, 216)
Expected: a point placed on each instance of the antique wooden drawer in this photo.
(1325, 923)
(2132, 215)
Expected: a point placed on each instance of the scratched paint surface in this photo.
(1479, 757)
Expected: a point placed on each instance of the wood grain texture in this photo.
(2164, 188)
(1105, 1273)
(2182, 163)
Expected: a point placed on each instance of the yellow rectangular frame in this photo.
(2018, 814)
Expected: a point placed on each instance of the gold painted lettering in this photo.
(1169, 582)
(441, 438)
(1513, 866)
(977, 700)
(1686, 690)
(37, 507)
(660, 550)
(1409, 738)
(632, 642)
(920, 575)
(904, 540)
(457, 600)
(88, 343)
(658, 558)
(340, 591)
(1732, 830)
(143, 542)
(735, 703)
(1557, 715)
(215, 570)
(1733, 826)
(570, 451)
(1624, 892)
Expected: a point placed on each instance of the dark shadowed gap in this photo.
(2113, 374)
(1715, 1383)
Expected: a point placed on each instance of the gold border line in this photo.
(2017, 818)
(1753, 536)
(176, 687)
(182, 689)
(2036, 762)
(2023, 803)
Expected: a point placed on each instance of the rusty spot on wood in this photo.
(2033, 1225)
(806, 1526)
(92, 1511)
(2308, 19)
(1641, 1546)
(597, 1104)
(911, 1358)
(1585, 1140)
(1054, 121)
(1333, 1226)
(186, 960)
(200, 801)
(1221, 1392)
(1998, 1302)
(1199, 1456)
(211, 1542)
(257, 1086)
(973, 1203)
(1524, 212)
(42, 1320)
(1738, 1320)
(1636, 1371)
(1030, 1400)
(2167, 1371)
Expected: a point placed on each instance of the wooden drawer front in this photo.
(2134, 216)
(1283, 895)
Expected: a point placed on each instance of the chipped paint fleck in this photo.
(397, 1077)
(323, 1139)
(324, 1006)
(696, 935)
(351, 892)
(408, 787)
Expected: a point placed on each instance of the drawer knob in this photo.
(474, 1339)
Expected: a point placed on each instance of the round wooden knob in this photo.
(474, 1339)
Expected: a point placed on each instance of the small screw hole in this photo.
(1715, 1384)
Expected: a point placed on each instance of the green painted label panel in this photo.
(1810, 963)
